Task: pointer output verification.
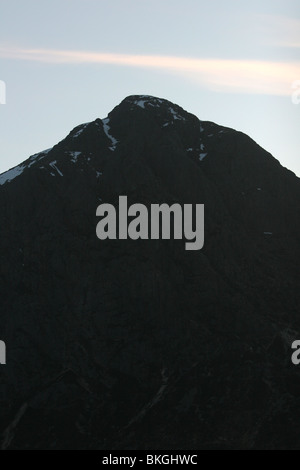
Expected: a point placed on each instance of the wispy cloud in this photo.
(279, 30)
(292, 45)
(242, 76)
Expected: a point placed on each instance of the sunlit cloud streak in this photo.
(235, 76)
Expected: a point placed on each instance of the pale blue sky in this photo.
(66, 62)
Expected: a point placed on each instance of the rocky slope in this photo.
(141, 344)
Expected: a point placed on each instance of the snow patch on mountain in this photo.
(140, 103)
(10, 175)
(203, 152)
(74, 155)
(149, 100)
(80, 130)
(144, 101)
(53, 165)
(176, 116)
(38, 156)
(106, 128)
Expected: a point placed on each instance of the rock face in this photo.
(140, 344)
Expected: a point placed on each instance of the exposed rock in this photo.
(141, 344)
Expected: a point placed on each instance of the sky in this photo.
(66, 62)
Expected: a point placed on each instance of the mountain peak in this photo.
(159, 106)
(145, 121)
(112, 343)
(145, 100)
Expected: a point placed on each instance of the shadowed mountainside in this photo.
(140, 344)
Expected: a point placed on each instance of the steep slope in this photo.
(141, 344)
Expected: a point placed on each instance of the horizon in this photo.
(235, 65)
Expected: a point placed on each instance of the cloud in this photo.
(292, 45)
(241, 76)
(279, 30)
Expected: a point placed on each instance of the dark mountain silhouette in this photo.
(141, 344)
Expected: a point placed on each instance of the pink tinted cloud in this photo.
(242, 76)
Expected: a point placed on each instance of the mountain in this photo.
(123, 344)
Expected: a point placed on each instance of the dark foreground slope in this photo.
(141, 344)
